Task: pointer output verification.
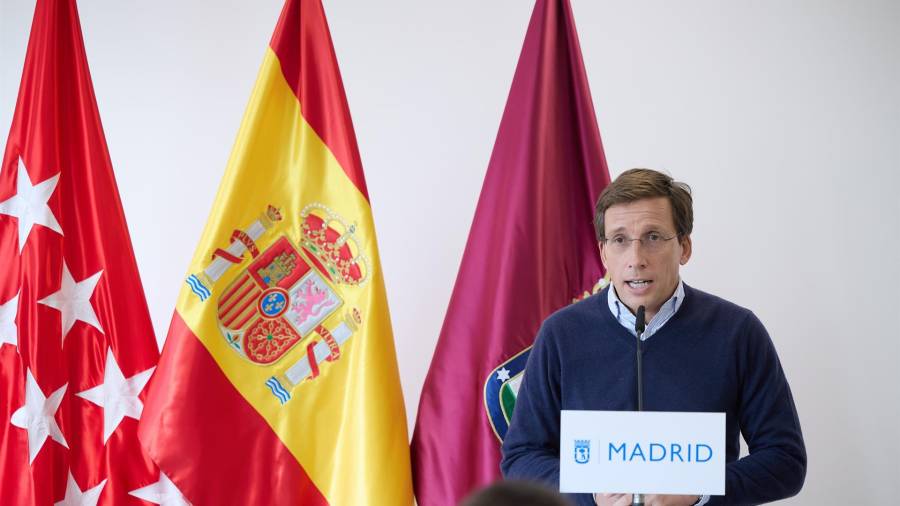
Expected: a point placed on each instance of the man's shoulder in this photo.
(589, 308)
(570, 327)
(714, 312)
(709, 302)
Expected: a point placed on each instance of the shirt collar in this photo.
(627, 319)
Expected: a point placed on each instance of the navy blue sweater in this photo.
(712, 356)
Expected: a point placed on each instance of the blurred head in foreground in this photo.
(515, 493)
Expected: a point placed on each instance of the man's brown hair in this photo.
(638, 184)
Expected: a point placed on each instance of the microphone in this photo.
(639, 322)
(639, 325)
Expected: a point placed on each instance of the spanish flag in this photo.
(278, 382)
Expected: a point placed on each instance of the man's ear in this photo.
(686, 248)
(603, 255)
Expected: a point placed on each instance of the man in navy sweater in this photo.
(700, 353)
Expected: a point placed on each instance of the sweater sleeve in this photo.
(531, 446)
(776, 465)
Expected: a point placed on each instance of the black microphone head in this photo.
(639, 321)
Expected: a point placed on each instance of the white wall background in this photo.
(783, 116)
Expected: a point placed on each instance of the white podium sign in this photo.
(642, 453)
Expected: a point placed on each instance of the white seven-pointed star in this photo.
(503, 374)
(75, 497)
(8, 331)
(37, 416)
(73, 300)
(29, 204)
(116, 395)
(163, 492)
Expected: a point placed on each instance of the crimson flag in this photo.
(77, 343)
(531, 251)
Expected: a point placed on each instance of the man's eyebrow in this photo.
(649, 227)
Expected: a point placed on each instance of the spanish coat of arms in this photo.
(287, 291)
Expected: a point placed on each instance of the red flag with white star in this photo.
(76, 343)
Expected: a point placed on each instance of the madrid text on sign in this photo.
(660, 452)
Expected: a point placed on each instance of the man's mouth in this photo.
(638, 283)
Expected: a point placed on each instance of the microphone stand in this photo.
(639, 326)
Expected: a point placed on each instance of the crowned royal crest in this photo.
(288, 294)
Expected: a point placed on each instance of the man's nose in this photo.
(636, 254)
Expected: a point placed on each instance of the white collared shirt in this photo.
(627, 319)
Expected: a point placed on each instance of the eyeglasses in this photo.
(651, 242)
